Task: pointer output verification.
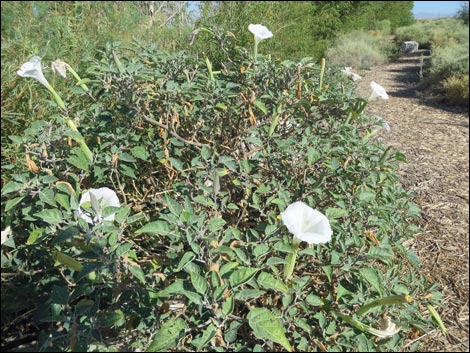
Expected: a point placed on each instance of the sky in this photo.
(435, 9)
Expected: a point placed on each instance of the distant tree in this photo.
(463, 12)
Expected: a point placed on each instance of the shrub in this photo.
(203, 163)
(456, 90)
(358, 49)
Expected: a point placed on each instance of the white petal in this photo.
(33, 69)
(306, 224)
(105, 197)
(261, 32)
(377, 91)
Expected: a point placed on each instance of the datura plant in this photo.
(33, 69)
(306, 224)
(261, 33)
(99, 199)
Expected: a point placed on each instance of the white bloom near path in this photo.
(377, 91)
(306, 224)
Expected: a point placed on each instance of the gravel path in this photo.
(435, 140)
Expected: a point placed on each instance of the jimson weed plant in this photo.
(177, 234)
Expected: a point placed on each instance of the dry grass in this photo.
(435, 139)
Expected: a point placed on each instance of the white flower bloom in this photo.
(260, 32)
(6, 234)
(387, 328)
(60, 67)
(377, 91)
(99, 199)
(33, 69)
(352, 75)
(306, 224)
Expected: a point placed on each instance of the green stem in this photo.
(209, 68)
(81, 141)
(57, 98)
(83, 86)
(290, 262)
(322, 72)
(394, 299)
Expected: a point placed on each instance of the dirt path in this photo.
(435, 140)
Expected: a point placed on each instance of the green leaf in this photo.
(228, 306)
(371, 276)
(109, 319)
(11, 186)
(242, 275)
(67, 261)
(314, 300)
(137, 272)
(216, 223)
(266, 325)
(268, 281)
(260, 105)
(334, 212)
(33, 236)
(79, 160)
(126, 157)
(157, 227)
(208, 334)
(246, 294)
(199, 283)
(187, 257)
(177, 164)
(12, 203)
(366, 196)
(168, 336)
(47, 196)
(52, 216)
(60, 295)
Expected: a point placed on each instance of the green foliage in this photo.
(448, 39)
(203, 163)
(463, 12)
(301, 28)
(360, 50)
(457, 90)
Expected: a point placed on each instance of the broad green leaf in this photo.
(79, 160)
(314, 300)
(52, 216)
(11, 186)
(268, 281)
(60, 295)
(242, 275)
(109, 319)
(33, 236)
(157, 227)
(228, 305)
(187, 257)
(67, 261)
(246, 294)
(199, 283)
(371, 276)
(12, 203)
(216, 223)
(334, 212)
(126, 157)
(137, 272)
(168, 336)
(266, 325)
(260, 105)
(208, 334)
(140, 152)
(47, 196)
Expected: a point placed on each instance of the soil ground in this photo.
(435, 140)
